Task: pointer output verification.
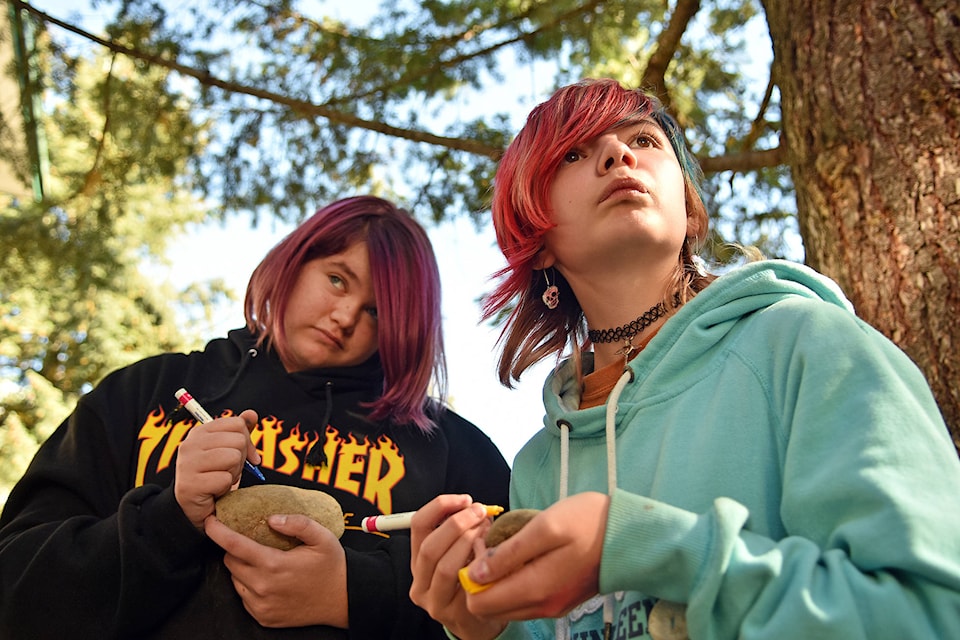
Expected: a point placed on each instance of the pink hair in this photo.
(406, 284)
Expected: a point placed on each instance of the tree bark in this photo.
(870, 92)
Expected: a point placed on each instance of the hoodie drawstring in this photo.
(244, 363)
(562, 627)
(562, 624)
(315, 453)
(248, 357)
(564, 459)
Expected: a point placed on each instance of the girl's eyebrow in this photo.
(637, 121)
(649, 122)
(634, 121)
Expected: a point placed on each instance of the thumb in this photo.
(307, 530)
(493, 563)
(250, 417)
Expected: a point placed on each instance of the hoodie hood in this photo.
(690, 338)
(249, 365)
(240, 351)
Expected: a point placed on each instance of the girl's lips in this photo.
(326, 336)
(622, 184)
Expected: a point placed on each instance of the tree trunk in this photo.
(870, 92)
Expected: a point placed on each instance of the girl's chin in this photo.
(314, 359)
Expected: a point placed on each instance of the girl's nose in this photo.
(345, 315)
(613, 153)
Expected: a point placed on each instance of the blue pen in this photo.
(198, 412)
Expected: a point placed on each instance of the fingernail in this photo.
(279, 519)
(479, 570)
(469, 585)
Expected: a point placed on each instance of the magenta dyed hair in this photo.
(572, 116)
(406, 284)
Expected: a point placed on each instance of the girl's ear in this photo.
(544, 259)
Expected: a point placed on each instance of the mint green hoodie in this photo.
(781, 468)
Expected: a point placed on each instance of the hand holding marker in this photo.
(198, 412)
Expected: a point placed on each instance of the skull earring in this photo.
(551, 295)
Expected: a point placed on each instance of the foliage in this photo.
(75, 302)
(397, 100)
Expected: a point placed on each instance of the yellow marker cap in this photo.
(469, 585)
(493, 510)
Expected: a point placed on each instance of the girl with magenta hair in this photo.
(721, 457)
(112, 531)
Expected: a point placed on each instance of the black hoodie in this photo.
(94, 545)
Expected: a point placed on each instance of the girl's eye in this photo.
(571, 156)
(337, 281)
(373, 312)
(645, 140)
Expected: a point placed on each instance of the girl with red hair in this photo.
(722, 457)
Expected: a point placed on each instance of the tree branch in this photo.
(408, 77)
(746, 161)
(685, 10)
(301, 107)
(666, 47)
(757, 126)
(91, 179)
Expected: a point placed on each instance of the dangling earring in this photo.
(551, 295)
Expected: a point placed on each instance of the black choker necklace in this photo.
(629, 330)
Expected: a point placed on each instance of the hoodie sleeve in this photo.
(78, 548)
(378, 582)
(378, 586)
(475, 464)
(869, 503)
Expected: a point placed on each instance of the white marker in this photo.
(398, 521)
(198, 412)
